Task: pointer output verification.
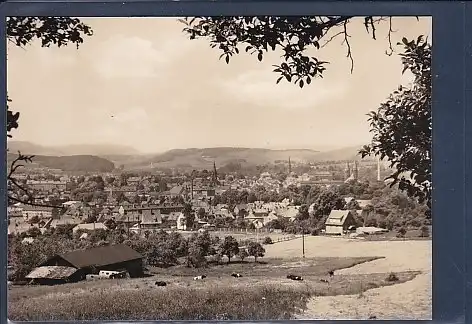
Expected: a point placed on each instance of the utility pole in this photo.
(303, 242)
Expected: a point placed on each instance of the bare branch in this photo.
(331, 39)
(346, 41)
(33, 203)
(390, 50)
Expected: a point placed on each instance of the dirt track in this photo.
(409, 300)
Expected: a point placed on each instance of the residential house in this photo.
(340, 222)
(181, 222)
(241, 210)
(89, 227)
(39, 211)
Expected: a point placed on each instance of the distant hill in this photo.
(85, 149)
(203, 158)
(82, 163)
(347, 153)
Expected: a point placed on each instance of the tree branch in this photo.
(346, 41)
(390, 50)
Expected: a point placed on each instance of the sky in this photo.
(141, 82)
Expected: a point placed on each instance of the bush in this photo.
(267, 240)
(424, 231)
(243, 254)
(392, 277)
(401, 232)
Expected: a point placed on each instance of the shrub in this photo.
(243, 254)
(424, 231)
(392, 277)
(267, 240)
(401, 232)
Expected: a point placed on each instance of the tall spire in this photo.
(356, 171)
(289, 166)
(215, 175)
(348, 170)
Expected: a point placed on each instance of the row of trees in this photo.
(159, 249)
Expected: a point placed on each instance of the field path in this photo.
(409, 300)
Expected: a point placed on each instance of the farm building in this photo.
(54, 275)
(75, 265)
(339, 222)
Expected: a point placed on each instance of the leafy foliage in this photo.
(229, 247)
(243, 254)
(256, 250)
(292, 36)
(401, 126)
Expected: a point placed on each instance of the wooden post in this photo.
(303, 242)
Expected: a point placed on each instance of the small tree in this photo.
(33, 232)
(401, 232)
(229, 247)
(34, 220)
(256, 250)
(424, 231)
(243, 254)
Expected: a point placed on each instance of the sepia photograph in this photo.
(219, 168)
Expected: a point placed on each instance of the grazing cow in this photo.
(236, 275)
(324, 280)
(199, 277)
(161, 283)
(373, 317)
(331, 273)
(293, 277)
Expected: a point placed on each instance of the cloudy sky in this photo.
(141, 82)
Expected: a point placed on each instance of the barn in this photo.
(339, 222)
(75, 265)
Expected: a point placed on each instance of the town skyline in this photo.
(135, 83)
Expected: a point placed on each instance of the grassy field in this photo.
(411, 300)
(263, 293)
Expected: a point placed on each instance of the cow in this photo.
(373, 317)
(331, 273)
(236, 275)
(161, 283)
(199, 277)
(324, 280)
(293, 277)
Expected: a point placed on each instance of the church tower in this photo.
(215, 175)
(289, 166)
(347, 171)
(356, 171)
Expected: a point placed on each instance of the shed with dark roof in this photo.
(118, 257)
(339, 222)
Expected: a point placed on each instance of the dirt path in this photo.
(409, 300)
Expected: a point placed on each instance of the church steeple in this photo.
(356, 171)
(215, 175)
(289, 166)
(347, 171)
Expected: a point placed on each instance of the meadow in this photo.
(263, 293)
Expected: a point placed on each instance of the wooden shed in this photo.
(339, 222)
(118, 257)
